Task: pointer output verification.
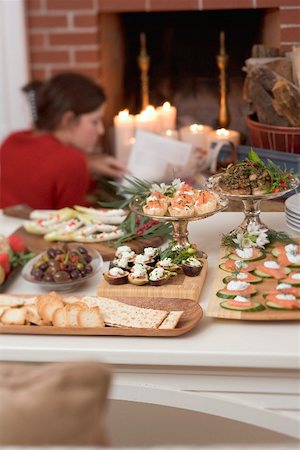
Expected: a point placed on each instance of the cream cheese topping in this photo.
(237, 285)
(241, 299)
(157, 274)
(241, 276)
(138, 271)
(295, 276)
(244, 253)
(283, 286)
(285, 297)
(116, 271)
(291, 251)
(271, 265)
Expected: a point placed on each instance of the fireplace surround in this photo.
(88, 36)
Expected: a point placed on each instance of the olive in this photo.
(88, 258)
(58, 251)
(82, 249)
(89, 268)
(48, 278)
(51, 252)
(61, 276)
(75, 274)
(79, 266)
(37, 274)
(43, 266)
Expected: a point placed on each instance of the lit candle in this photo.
(124, 131)
(172, 134)
(222, 134)
(196, 134)
(147, 120)
(167, 116)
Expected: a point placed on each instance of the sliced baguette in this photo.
(48, 309)
(91, 318)
(14, 316)
(32, 315)
(59, 318)
(72, 313)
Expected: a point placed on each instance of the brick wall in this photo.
(66, 34)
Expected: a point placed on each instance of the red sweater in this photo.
(40, 171)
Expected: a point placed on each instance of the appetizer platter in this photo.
(257, 282)
(176, 272)
(96, 228)
(251, 181)
(178, 203)
(92, 315)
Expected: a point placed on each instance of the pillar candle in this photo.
(147, 120)
(223, 134)
(124, 131)
(196, 134)
(167, 116)
(172, 134)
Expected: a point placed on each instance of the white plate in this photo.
(293, 203)
(293, 222)
(292, 214)
(293, 218)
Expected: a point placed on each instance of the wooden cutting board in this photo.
(36, 243)
(178, 287)
(215, 310)
(190, 318)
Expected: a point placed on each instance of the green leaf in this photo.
(253, 156)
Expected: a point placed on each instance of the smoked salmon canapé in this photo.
(240, 303)
(205, 201)
(231, 265)
(243, 276)
(234, 288)
(293, 278)
(247, 254)
(181, 206)
(282, 301)
(287, 255)
(271, 269)
(284, 288)
(156, 204)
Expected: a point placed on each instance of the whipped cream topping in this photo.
(241, 264)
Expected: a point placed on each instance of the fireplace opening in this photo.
(182, 47)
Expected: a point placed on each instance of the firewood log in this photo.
(287, 101)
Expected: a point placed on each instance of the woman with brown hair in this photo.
(49, 166)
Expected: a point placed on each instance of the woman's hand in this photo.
(106, 165)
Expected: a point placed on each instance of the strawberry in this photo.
(16, 243)
(5, 262)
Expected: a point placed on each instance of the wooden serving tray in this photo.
(37, 244)
(178, 287)
(214, 310)
(191, 316)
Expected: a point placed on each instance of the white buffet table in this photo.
(245, 371)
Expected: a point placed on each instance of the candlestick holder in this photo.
(144, 65)
(222, 62)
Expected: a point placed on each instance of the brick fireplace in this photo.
(86, 35)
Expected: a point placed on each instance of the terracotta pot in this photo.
(285, 139)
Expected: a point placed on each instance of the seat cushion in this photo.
(53, 403)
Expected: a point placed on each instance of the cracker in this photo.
(171, 320)
(14, 316)
(120, 314)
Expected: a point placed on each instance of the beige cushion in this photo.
(53, 403)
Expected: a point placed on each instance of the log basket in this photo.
(285, 139)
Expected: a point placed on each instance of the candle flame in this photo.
(123, 115)
(222, 132)
(148, 113)
(196, 127)
(166, 106)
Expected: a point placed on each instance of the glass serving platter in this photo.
(179, 223)
(251, 203)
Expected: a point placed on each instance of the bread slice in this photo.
(48, 309)
(32, 315)
(72, 313)
(14, 316)
(44, 299)
(91, 318)
(171, 320)
(59, 318)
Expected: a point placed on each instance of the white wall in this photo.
(14, 111)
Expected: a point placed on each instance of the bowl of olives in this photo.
(63, 268)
